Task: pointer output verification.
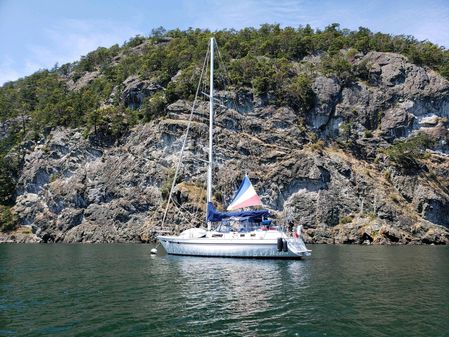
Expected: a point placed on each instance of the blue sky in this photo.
(36, 34)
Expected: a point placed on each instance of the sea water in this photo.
(122, 290)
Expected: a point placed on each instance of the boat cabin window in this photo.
(243, 225)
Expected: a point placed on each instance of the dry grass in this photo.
(196, 193)
(24, 230)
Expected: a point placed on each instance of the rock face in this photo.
(136, 90)
(74, 190)
(83, 80)
(19, 237)
(397, 98)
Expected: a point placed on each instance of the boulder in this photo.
(135, 90)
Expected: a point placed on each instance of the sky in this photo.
(37, 34)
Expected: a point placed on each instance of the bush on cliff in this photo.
(405, 154)
(7, 185)
(112, 120)
(154, 106)
(8, 221)
(299, 93)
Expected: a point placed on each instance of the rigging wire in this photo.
(200, 95)
(232, 98)
(184, 141)
(202, 132)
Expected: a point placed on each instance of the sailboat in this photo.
(236, 232)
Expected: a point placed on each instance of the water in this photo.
(98, 290)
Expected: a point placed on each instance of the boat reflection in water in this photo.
(238, 293)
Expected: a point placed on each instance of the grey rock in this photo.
(84, 80)
(136, 90)
(327, 92)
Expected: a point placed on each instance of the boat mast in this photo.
(211, 125)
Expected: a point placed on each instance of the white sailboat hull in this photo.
(216, 247)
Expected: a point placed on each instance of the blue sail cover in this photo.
(214, 216)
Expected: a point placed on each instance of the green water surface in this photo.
(121, 290)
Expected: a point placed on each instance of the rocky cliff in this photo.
(324, 169)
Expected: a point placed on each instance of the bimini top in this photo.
(246, 196)
(214, 216)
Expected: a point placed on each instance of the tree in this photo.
(337, 65)
(154, 106)
(94, 118)
(8, 221)
(299, 93)
(406, 153)
(7, 185)
(158, 33)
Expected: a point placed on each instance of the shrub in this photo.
(368, 134)
(154, 106)
(318, 145)
(8, 221)
(346, 219)
(406, 153)
(7, 184)
(345, 131)
(337, 65)
(218, 196)
(371, 215)
(387, 175)
(362, 70)
(299, 93)
(166, 187)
